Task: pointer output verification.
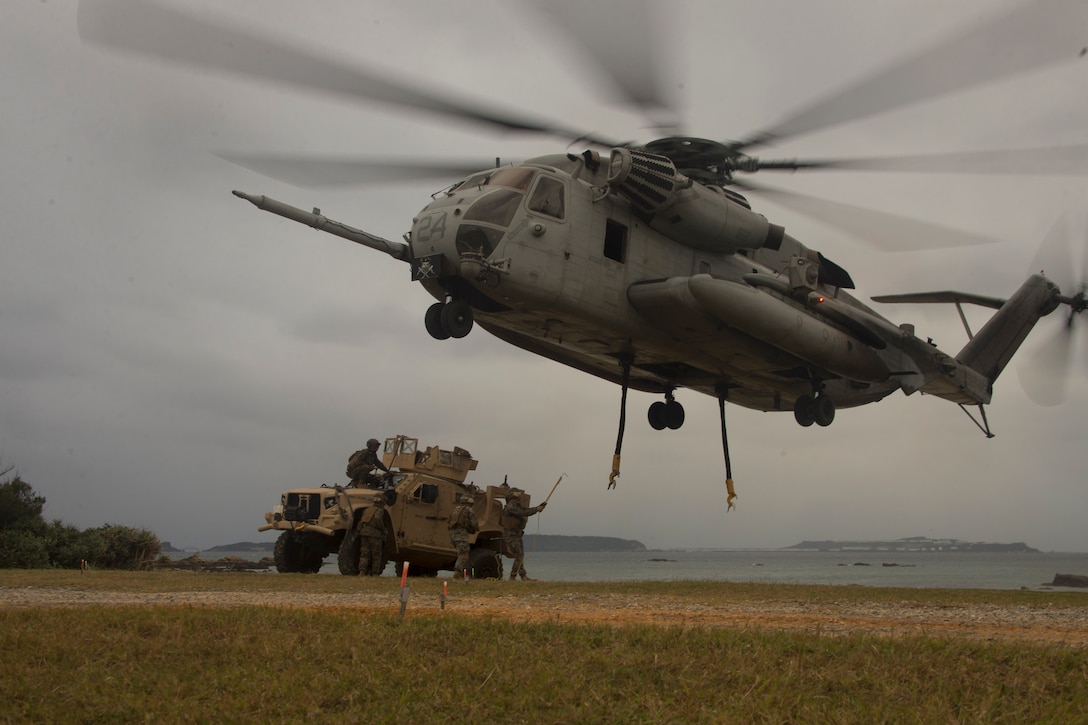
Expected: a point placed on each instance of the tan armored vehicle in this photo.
(421, 490)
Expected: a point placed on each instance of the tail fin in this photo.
(990, 350)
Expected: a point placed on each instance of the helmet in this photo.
(379, 500)
(468, 499)
(373, 443)
(514, 493)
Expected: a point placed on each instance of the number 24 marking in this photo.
(431, 227)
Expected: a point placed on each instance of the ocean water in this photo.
(879, 569)
(882, 569)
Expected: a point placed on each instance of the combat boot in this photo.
(526, 578)
(513, 577)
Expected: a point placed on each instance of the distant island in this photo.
(915, 543)
(533, 542)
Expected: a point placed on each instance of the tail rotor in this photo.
(1045, 377)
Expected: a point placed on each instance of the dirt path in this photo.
(1064, 625)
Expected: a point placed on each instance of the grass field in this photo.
(201, 663)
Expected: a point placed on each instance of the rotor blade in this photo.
(1030, 36)
(316, 172)
(1054, 160)
(148, 29)
(883, 230)
(1045, 376)
(622, 37)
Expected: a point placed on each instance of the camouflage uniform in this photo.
(514, 518)
(371, 533)
(463, 523)
(362, 462)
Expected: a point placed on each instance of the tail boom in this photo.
(990, 350)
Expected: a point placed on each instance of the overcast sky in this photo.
(173, 358)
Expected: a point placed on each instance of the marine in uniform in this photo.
(371, 533)
(362, 463)
(514, 518)
(463, 524)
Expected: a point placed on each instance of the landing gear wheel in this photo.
(433, 321)
(457, 318)
(804, 410)
(674, 415)
(665, 414)
(656, 415)
(824, 411)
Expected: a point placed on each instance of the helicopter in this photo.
(645, 264)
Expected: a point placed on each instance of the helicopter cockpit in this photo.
(488, 218)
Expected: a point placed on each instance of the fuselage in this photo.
(552, 263)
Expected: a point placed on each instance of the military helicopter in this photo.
(644, 264)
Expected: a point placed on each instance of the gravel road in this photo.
(1043, 624)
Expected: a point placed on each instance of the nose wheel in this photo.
(818, 409)
(666, 414)
(448, 319)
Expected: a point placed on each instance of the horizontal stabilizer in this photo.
(946, 296)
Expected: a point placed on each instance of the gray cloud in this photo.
(174, 358)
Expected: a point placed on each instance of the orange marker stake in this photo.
(403, 590)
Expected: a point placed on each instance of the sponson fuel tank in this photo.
(773, 321)
(692, 214)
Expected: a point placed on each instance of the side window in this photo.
(548, 198)
(425, 493)
(615, 241)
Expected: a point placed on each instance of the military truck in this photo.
(421, 490)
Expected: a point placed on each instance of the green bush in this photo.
(22, 548)
(67, 545)
(120, 547)
(28, 542)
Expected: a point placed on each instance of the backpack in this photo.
(356, 468)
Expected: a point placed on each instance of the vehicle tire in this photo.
(804, 410)
(348, 556)
(457, 318)
(485, 563)
(824, 411)
(433, 321)
(285, 553)
(312, 560)
(293, 556)
(656, 415)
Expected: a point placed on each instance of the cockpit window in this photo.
(548, 198)
(511, 177)
(498, 207)
(514, 178)
(474, 239)
(474, 180)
